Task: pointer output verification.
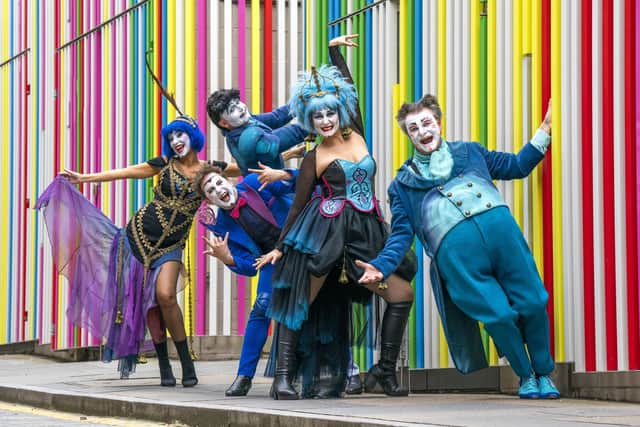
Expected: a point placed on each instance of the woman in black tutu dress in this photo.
(322, 239)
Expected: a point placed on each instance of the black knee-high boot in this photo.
(384, 372)
(166, 374)
(189, 378)
(285, 362)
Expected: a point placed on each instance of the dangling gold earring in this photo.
(346, 132)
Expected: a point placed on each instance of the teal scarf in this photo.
(436, 165)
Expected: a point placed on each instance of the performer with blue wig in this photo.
(482, 268)
(321, 239)
(123, 280)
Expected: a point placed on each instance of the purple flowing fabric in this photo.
(87, 248)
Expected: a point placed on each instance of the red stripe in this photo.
(267, 83)
(56, 161)
(587, 191)
(547, 219)
(608, 186)
(630, 178)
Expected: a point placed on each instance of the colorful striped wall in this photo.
(82, 99)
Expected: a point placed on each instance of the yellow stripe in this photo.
(536, 90)
(4, 163)
(474, 63)
(517, 105)
(171, 53)
(556, 166)
(525, 22)
(190, 109)
(442, 98)
(256, 48)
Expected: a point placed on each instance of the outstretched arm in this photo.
(141, 170)
(276, 118)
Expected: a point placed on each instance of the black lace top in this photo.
(162, 225)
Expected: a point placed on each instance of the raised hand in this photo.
(546, 122)
(267, 175)
(268, 258)
(219, 248)
(370, 275)
(345, 40)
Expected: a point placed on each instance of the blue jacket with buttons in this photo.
(263, 139)
(429, 209)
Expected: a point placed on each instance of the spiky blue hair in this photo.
(326, 89)
(185, 124)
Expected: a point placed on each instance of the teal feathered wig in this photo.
(185, 124)
(321, 88)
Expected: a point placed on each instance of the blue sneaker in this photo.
(529, 388)
(548, 389)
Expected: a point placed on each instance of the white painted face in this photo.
(424, 131)
(237, 114)
(180, 143)
(219, 191)
(326, 122)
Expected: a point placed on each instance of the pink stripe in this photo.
(125, 107)
(637, 42)
(73, 137)
(242, 284)
(112, 133)
(40, 297)
(97, 100)
(242, 54)
(201, 263)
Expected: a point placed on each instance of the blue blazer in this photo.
(272, 203)
(406, 194)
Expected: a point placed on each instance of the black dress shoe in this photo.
(240, 386)
(354, 385)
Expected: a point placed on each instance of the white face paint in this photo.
(219, 191)
(424, 131)
(237, 114)
(180, 143)
(326, 122)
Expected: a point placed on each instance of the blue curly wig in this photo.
(322, 88)
(184, 124)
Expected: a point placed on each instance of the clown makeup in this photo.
(219, 191)
(424, 131)
(237, 114)
(325, 122)
(180, 143)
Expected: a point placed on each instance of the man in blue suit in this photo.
(248, 224)
(253, 138)
(482, 268)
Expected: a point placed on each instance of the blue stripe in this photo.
(417, 93)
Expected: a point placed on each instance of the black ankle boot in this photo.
(189, 378)
(384, 373)
(166, 374)
(286, 358)
(240, 387)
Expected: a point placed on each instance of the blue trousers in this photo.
(490, 274)
(255, 335)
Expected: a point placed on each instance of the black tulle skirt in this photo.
(318, 245)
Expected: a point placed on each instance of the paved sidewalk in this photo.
(93, 388)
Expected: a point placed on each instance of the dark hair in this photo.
(218, 103)
(427, 101)
(202, 173)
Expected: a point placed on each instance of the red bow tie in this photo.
(235, 212)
